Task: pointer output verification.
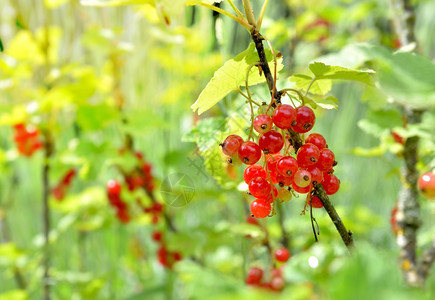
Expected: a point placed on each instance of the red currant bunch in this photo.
(27, 139)
(165, 257)
(256, 278)
(114, 194)
(274, 163)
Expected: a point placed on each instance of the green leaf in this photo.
(329, 102)
(317, 87)
(96, 117)
(9, 254)
(322, 71)
(231, 76)
(102, 3)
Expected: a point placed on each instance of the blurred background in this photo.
(102, 84)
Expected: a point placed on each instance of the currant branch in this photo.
(297, 142)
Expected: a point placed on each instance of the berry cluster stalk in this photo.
(408, 214)
(296, 139)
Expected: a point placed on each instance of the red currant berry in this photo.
(314, 201)
(254, 276)
(307, 155)
(113, 188)
(302, 178)
(271, 142)
(326, 160)
(331, 184)
(157, 236)
(263, 123)
(260, 208)
(259, 187)
(316, 139)
(282, 180)
(277, 284)
(287, 166)
(316, 174)
(282, 255)
(301, 190)
(426, 184)
(123, 215)
(231, 144)
(251, 220)
(283, 116)
(249, 153)
(252, 172)
(305, 119)
(272, 161)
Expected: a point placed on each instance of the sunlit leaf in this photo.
(230, 77)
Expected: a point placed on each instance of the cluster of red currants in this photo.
(140, 177)
(166, 258)
(276, 281)
(60, 190)
(312, 163)
(114, 194)
(27, 139)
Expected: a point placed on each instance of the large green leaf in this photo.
(316, 87)
(231, 76)
(322, 71)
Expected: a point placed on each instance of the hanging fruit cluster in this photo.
(165, 257)
(27, 139)
(280, 166)
(60, 190)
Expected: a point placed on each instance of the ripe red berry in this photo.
(231, 144)
(254, 276)
(301, 190)
(326, 160)
(316, 139)
(260, 208)
(259, 187)
(302, 178)
(316, 174)
(113, 188)
(314, 201)
(272, 161)
(271, 142)
(283, 116)
(263, 123)
(277, 283)
(249, 153)
(157, 236)
(282, 255)
(287, 166)
(305, 120)
(426, 184)
(251, 220)
(308, 154)
(252, 172)
(331, 184)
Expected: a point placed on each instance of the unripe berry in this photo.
(231, 144)
(271, 142)
(263, 123)
(283, 116)
(284, 195)
(249, 153)
(302, 178)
